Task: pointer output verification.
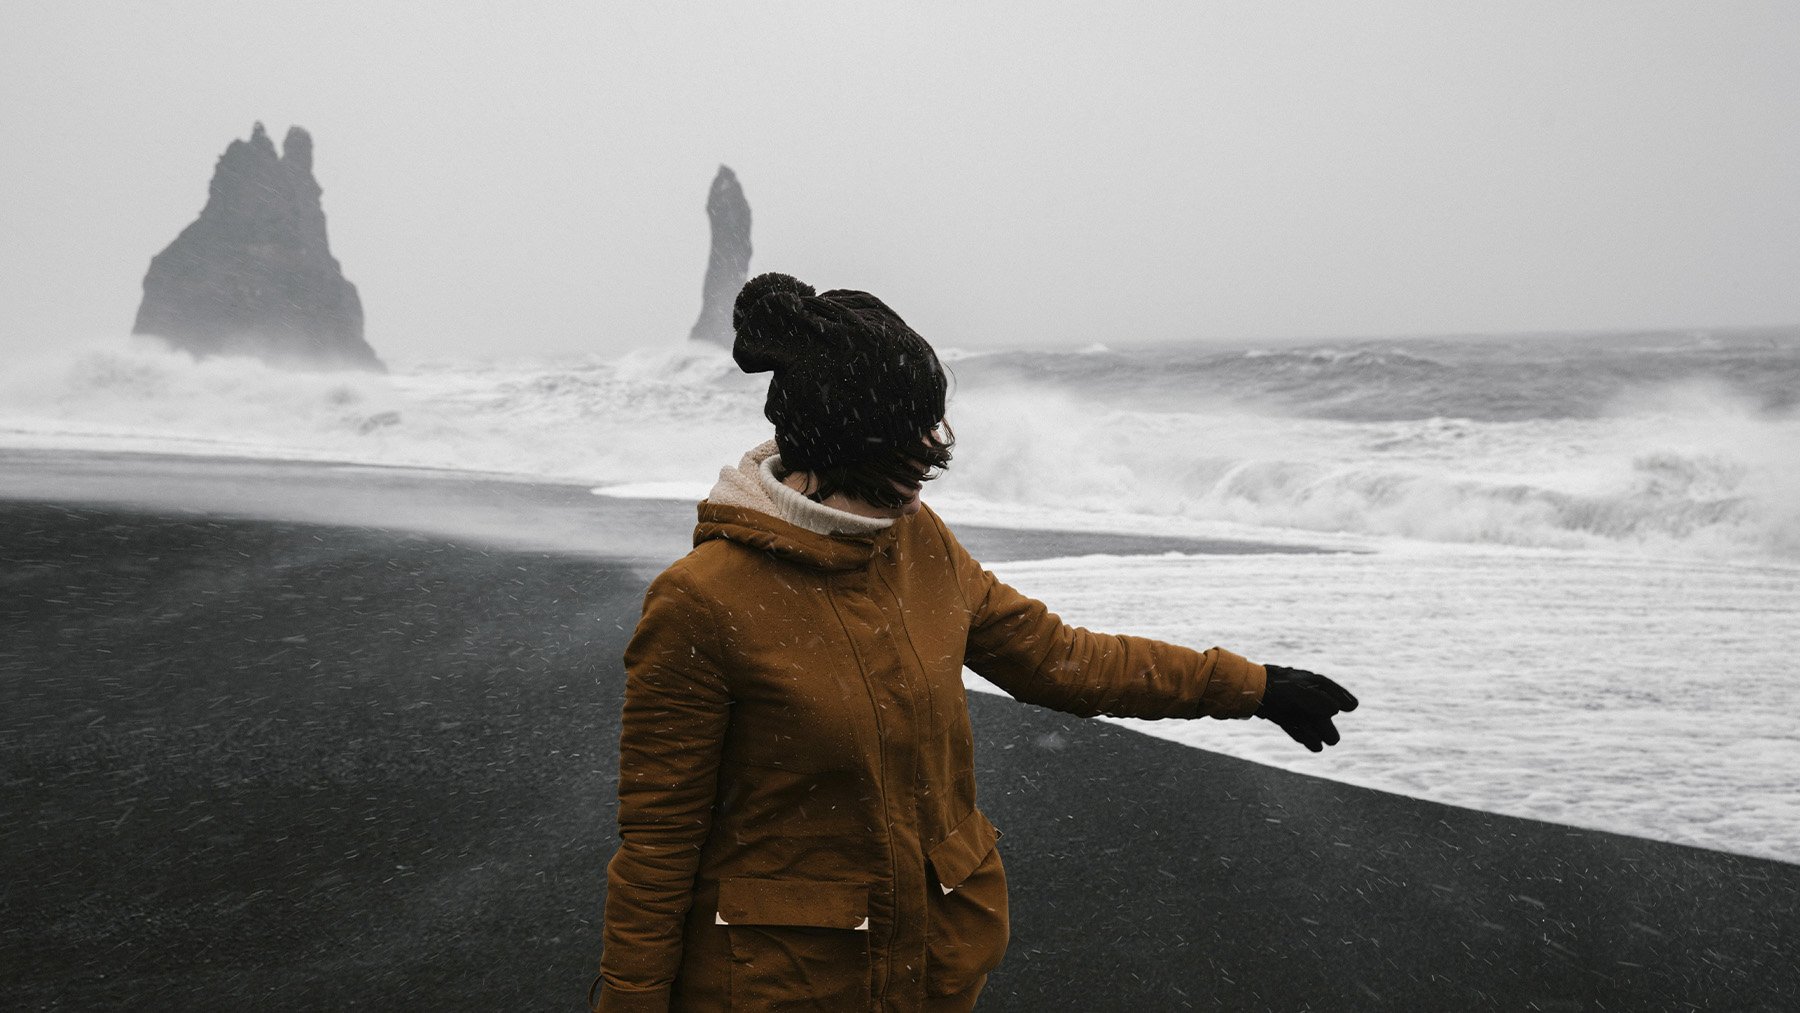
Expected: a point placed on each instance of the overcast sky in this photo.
(506, 178)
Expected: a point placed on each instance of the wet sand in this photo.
(260, 762)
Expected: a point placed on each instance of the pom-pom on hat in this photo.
(852, 382)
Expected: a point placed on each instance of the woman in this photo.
(796, 771)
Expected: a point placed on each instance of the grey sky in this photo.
(502, 180)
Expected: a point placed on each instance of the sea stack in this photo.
(728, 266)
(254, 274)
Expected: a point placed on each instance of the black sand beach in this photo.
(284, 764)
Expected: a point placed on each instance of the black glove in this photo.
(1302, 703)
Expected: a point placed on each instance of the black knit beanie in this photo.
(852, 382)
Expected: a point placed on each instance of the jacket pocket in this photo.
(968, 929)
(797, 944)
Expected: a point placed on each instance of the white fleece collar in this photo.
(753, 485)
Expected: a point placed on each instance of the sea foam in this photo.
(1681, 464)
(1645, 696)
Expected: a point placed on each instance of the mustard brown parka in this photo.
(796, 769)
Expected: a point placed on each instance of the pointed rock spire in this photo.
(728, 265)
(259, 139)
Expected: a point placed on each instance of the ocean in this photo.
(1562, 572)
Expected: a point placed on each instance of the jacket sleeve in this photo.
(672, 730)
(1018, 644)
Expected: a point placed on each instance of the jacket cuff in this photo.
(1235, 686)
(619, 1000)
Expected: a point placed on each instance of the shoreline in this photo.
(505, 512)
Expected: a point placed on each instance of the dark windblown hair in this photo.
(873, 479)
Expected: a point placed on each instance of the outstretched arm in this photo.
(1018, 644)
(672, 731)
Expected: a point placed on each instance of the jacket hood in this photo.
(757, 530)
(749, 507)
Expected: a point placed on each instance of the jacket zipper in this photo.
(862, 671)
